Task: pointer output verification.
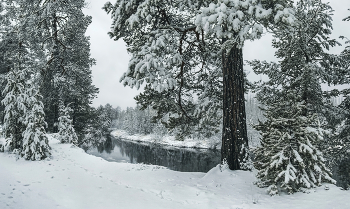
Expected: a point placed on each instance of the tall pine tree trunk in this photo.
(234, 131)
(50, 90)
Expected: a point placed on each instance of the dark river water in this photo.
(178, 159)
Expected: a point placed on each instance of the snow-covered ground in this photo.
(206, 143)
(73, 179)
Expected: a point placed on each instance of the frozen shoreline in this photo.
(210, 143)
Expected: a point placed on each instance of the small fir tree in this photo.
(15, 109)
(35, 141)
(65, 128)
(287, 157)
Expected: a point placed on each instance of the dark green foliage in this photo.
(287, 157)
(44, 46)
(66, 73)
(337, 144)
(296, 109)
(35, 142)
(98, 126)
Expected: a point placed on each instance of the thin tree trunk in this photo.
(234, 132)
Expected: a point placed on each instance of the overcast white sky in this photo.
(112, 57)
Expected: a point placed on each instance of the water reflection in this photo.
(179, 159)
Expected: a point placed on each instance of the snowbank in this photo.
(207, 143)
(73, 179)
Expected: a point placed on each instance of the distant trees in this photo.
(139, 121)
(98, 126)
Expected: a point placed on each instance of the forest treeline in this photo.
(135, 120)
(45, 76)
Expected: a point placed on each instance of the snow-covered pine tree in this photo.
(289, 156)
(104, 118)
(15, 108)
(16, 63)
(98, 128)
(342, 138)
(172, 49)
(184, 60)
(234, 22)
(35, 142)
(338, 145)
(3, 62)
(66, 71)
(66, 132)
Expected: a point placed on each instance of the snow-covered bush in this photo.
(35, 142)
(15, 108)
(65, 127)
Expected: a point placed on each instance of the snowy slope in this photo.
(73, 179)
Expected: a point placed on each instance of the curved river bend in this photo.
(178, 159)
(181, 159)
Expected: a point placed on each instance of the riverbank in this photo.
(73, 179)
(206, 143)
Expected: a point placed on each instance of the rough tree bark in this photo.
(49, 91)
(234, 130)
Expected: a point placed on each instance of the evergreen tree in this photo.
(289, 156)
(169, 40)
(66, 72)
(18, 62)
(184, 63)
(98, 127)
(15, 108)
(35, 142)
(65, 127)
(47, 40)
(338, 144)
(3, 61)
(341, 140)
(234, 22)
